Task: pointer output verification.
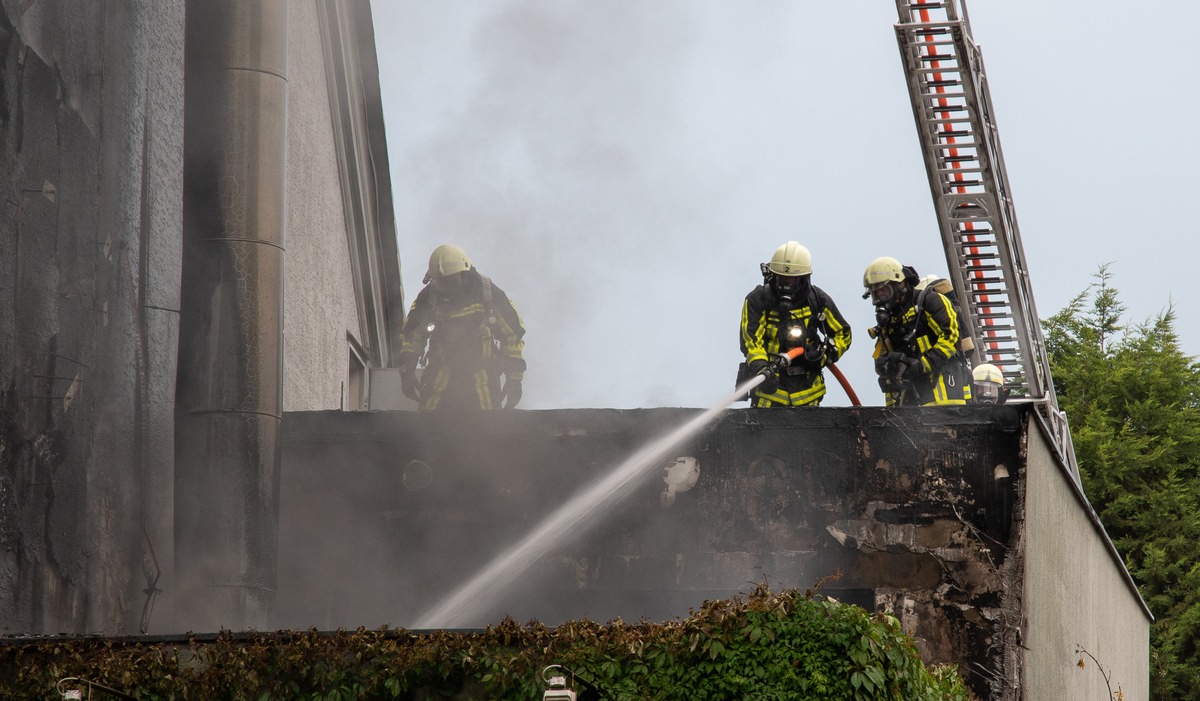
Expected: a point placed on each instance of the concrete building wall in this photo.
(1077, 593)
(958, 521)
(319, 299)
(92, 122)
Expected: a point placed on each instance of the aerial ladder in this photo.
(961, 148)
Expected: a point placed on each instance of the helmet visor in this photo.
(449, 284)
(882, 293)
(987, 392)
(787, 283)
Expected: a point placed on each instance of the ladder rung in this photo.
(987, 285)
(941, 69)
(1001, 316)
(946, 120)
(926, 41)
(976, 265)
(938, 102)
(930, 31)
(961, 96)
(964, 171)
(941, 83)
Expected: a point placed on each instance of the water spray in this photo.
(473, 600)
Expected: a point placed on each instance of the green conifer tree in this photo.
(1133, 401)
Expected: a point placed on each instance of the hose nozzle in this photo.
(784, 360)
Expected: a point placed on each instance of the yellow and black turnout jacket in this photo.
(466, 342)
(762, 338)
(926, 329)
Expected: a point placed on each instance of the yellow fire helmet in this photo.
(791, 259)
(882, 270)
(988, 380)
(986, 372)
(447, 260)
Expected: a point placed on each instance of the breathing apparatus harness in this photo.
(489, 312)
(794, 333)
(891, 364)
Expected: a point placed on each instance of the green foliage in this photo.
(1133, 400)
(768, 646)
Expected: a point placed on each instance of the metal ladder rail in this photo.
(969, 208)
(946, 120)
(968, 181)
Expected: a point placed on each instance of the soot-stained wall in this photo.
(384, 514)
(91, 121)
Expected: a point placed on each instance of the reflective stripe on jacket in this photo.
(934, 341)
(467, 342)
(760, 334)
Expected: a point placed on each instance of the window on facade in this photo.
(355, 398)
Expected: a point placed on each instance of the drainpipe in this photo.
(229, 396)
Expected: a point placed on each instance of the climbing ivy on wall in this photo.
(769, 645)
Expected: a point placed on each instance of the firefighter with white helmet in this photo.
(786, 312)
(467, 335)
(918, 355)
(988, 384)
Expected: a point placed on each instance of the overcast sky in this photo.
(620, 168)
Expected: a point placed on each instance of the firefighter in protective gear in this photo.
(918, 357)
(988, 386)
(466, 334)
(785, 312)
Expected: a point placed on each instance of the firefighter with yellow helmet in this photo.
(988, 384)
(466, 334)
(918, 355)
(785, 312)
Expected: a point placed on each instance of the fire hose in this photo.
(783, 360)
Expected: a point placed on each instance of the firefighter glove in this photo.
(511, 394)
(913, 370)
(408, 384)
(891, 365)
(767, 369)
